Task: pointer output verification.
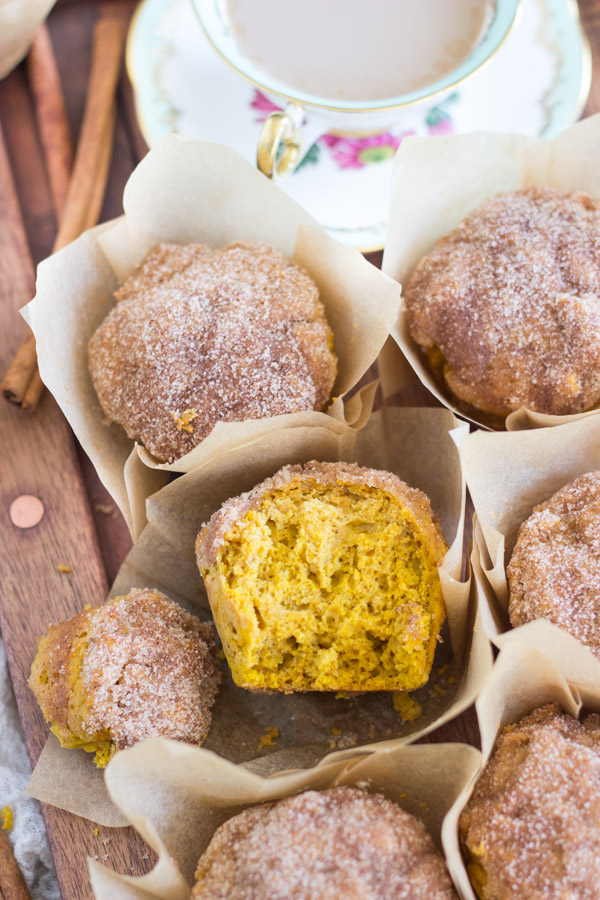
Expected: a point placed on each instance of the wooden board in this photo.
(38, 454)
(39, 457)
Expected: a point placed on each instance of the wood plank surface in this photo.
(39, 457)
(38, 453)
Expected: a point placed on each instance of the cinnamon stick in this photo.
(34, 391)
(51, 116)
(97, 196)
(83, 203)
(21, 370)
(58, 152)
(96, 132)
(12, 883)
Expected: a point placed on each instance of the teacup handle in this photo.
(279, 143)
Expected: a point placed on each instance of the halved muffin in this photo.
(325, 577)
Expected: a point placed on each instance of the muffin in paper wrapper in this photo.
(522, 679)
(508, 474)
(177, 796)
(435, 185)
(303, 729)
(187, 191)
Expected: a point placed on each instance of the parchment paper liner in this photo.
(177, 796)
(522, 679)
(435, 184)
(186, 191)
(412, 442)
(507, 475)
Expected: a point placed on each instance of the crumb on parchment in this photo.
(408, 708)
(268, 738)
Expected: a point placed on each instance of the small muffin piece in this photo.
(339, 843)
(325, 578)
(201, 336)
(531, 830)
(554, 572)
(507, 306)
(137, 667)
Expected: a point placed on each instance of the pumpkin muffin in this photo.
(554, 572)
(325, 577)
(329, 844)
(201, 336)
(137, 667)
(507, 306)
(531, 828)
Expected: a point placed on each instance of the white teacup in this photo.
(272, 47)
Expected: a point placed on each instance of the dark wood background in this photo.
(38, 454)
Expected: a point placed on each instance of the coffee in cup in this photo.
(352, 50)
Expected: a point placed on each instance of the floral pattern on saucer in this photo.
(357, 152)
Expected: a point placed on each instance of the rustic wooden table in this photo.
(38, 454)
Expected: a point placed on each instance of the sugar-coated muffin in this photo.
(325, 577)
(507, 306)
(201, 336)
(554, 572)
(338, 843)
(137, 667)
(531, 830)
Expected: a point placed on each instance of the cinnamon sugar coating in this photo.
(507, 306)
(137, 667)
(212, 535)
(554, 572)
(201, 336)
(531, 830)
(329, 844)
